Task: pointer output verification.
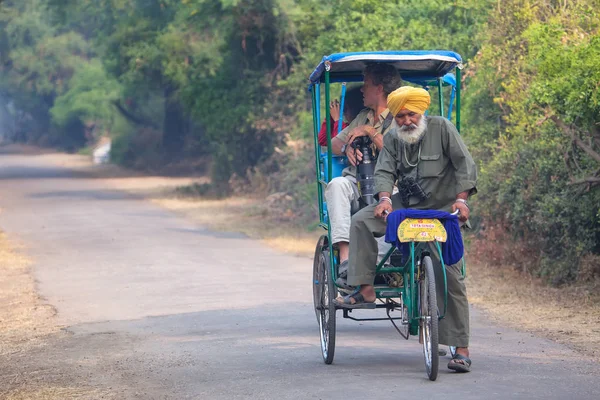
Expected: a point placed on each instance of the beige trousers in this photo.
(339, 194)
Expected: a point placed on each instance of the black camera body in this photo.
(407, 187)
(365, 169)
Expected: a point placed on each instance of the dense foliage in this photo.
(172, 80)
(534, 123)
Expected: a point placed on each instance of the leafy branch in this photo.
(572, 133)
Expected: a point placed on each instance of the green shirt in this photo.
(365, 117)
(443, 168)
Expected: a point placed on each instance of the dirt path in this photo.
(152, 305)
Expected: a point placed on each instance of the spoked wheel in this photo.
(323, 293)
(429, 318)
(317, 275)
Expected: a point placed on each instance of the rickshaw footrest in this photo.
(388, 294)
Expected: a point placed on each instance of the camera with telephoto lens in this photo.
(365, 169)
(407, 187)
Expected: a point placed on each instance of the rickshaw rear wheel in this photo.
(324, 291)
(429, 318)
(317, 278)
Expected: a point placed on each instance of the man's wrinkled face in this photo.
(411, 126)
(371, 93)
(408, 120)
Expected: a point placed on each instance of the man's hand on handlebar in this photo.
(383, 209)
(463, 214)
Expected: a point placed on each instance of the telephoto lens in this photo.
(365, 170)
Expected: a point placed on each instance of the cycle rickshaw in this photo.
(413, 301)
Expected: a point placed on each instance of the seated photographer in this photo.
(435, 171)
(373, 123)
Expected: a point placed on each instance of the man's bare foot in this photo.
(463, 351)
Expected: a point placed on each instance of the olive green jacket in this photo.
(444, 166)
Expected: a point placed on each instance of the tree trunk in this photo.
(174, 126)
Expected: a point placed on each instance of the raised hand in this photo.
(334, 110)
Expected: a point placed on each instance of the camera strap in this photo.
(387, 122)
(384, 125)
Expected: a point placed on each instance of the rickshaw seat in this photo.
(337, 166)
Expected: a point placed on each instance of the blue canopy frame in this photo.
(414, 66)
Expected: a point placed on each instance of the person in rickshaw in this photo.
(429, 151)
(342, 193)
(353, 104)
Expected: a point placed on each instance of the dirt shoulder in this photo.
(569, 315)
(27, 330)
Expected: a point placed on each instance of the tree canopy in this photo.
(225, 80)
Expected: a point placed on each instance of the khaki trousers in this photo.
(362, 264)
(340, 194)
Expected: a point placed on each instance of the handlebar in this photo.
(457, 212)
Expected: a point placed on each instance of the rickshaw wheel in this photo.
(324, 292)
(317, 279)
(429, 318)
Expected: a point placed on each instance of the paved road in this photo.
(161, 308)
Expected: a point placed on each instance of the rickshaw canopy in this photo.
(414, 66)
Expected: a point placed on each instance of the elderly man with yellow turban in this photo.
(430, 152)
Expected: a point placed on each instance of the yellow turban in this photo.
(410, 98)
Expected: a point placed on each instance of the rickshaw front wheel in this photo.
(429, 318)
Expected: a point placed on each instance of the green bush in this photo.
(539, 147)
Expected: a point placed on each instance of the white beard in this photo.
(414, 133)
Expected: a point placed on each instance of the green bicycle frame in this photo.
(408, 271)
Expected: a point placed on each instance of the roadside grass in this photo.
(25, 319)
(55, 393)
(568, 315)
